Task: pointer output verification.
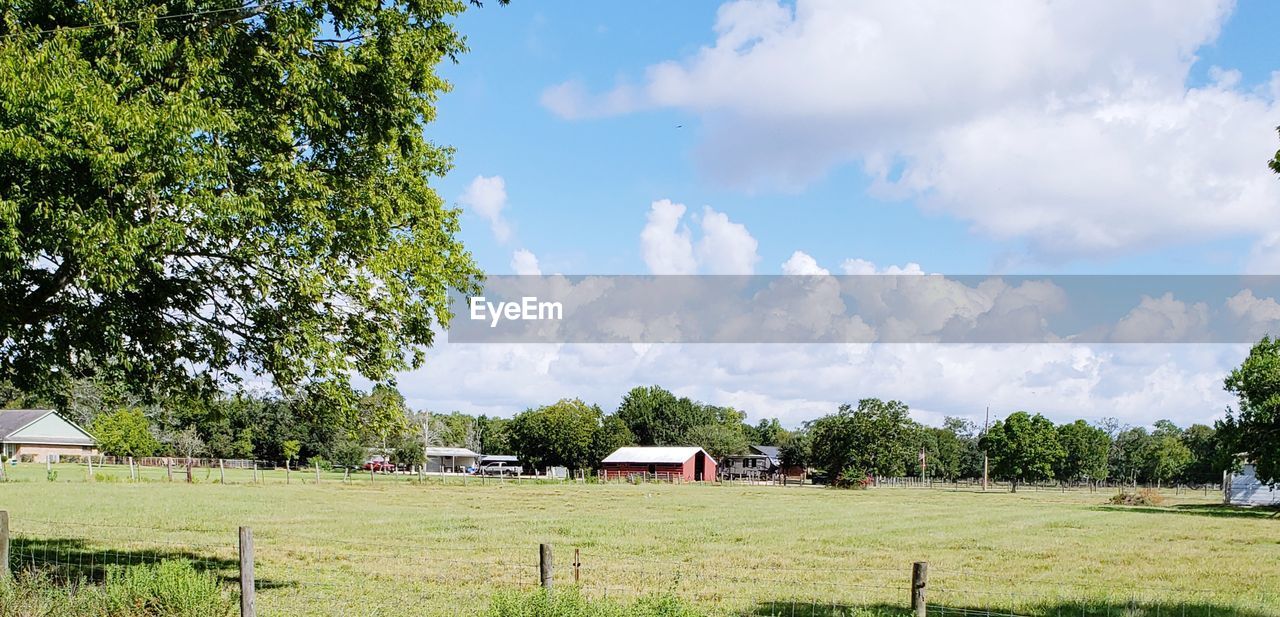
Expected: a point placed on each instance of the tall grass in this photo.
(570, 603)
(167, 589)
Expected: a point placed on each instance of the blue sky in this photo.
(1023, 137)
(596, 177)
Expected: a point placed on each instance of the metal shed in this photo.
(1245, 489)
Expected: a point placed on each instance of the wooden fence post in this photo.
(90, 466)
(544, 566)
(246, 573)
(577, 566)
(168, 465)
(4, 543)
(317, 466)
(222, 473)
(919, 578)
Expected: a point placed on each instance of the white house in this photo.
(40, 435)
(1245, 489)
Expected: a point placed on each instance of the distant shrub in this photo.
(51, 475)
(853, 479)
(570, 603)
(1144, 497)
(321, 462)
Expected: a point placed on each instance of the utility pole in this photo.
(985, 424)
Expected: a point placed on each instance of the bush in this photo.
(321, 462)
(853, 479)
(570, 603)
(1144, 497)
(167, 589)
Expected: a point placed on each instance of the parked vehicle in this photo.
(501, 469)
(379, 466)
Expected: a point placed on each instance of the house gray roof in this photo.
(14, 420)
(769, 451)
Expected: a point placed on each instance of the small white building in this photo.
(40, 435)
(1245, 489)
(450, 460)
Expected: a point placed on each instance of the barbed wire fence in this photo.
(294, 573)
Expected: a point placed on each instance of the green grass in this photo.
(397, 547)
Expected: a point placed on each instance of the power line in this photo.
(123, 22)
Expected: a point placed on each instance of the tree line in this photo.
(878, 438)
(332, 423)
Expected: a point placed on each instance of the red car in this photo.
(381, 466)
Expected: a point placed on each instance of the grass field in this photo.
(397, 547)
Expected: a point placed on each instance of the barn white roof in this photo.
(653, 454)
(450, 452)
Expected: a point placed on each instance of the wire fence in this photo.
(299, 573)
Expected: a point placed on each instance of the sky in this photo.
(761, 137)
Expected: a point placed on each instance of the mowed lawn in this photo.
(397, 547)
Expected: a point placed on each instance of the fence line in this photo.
(278, 565)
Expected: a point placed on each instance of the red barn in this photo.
(692, 464)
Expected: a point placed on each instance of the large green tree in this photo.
(564, 433)
(1085, 452)
(878, 437)
(125, 432)
(1168, 458)
(1255, 425)
(195, 189)
(1130, 455)
(658, 418)
(1023, 448)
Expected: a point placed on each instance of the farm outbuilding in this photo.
(1245, 489)
(40, 435)
(689, 464)
(450, 460)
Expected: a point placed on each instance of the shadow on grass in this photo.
(1056, 609)
(73, 560)
(1215, 510)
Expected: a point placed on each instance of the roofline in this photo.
(698, 448)
(91, 444)
(46, 415)
(38, 418)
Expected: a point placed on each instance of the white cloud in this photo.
(1069, 125)
(862, 266)
(665, 241)
(487, 197)
(524, 261)
(1163, 319)
(570, 100)
(725, 247)
(1136, 383)
(801, 263)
